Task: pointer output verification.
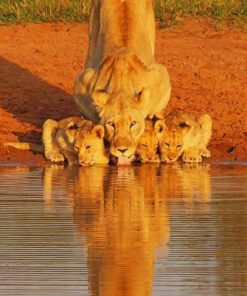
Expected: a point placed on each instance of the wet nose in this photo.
(122, 150)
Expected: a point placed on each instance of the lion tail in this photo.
(26, 146)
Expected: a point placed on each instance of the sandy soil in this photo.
(39, 62)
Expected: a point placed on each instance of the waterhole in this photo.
(124, 231)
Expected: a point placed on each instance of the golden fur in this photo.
(121, 83)
(74, 139)
(183, 135)
(147, 145)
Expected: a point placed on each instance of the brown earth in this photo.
(39, 62)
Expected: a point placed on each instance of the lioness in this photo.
(121, 83)
(74, 139)
(147, 145)
(183, 134)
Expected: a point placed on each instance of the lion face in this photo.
(171, 142)
(90, 146)
(123, 131)
(147, 146)
(124, 121)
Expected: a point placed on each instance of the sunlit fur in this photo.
(80, 141)
(183, 135)
(121, 82)
(89, 144)
(147, 145)
(58, 139)
(72, 139)
(123, 128)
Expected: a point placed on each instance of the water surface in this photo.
(124, 231)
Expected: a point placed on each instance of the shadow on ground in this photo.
(31, 99)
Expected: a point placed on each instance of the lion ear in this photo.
(100, 97)
(160, 127)
(143, 98)
(99, 131)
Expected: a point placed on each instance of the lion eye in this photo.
(88, 147)
(179, 146)
(167, 144)
(111, 123)
(133, 123)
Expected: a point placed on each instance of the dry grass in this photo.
(167, 11)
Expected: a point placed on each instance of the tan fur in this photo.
(25, 146)
(121, 83)
(147, 145)
(74, 139)
(183, 135)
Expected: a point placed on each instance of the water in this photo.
(124, 231)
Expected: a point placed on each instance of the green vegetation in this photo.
(167, 11)
(171, 11)
(16, 11)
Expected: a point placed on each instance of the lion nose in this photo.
(122, 150)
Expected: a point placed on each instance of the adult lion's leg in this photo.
(158, 81)
(94, 27)
(51, 150)
(205, 122)
(82, 97)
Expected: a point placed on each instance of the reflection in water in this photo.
(94, 231)
(123, 219)
(122, 212)
(189, 183)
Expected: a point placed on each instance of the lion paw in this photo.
(54, 156)
(192, 157)
(205, 152)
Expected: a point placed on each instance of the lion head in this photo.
(182, 133)
(124, 119)
(171, 141)
(147, 145)
(79, 141)
(89, 144)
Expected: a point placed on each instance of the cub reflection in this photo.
(124, 222)
(189, 182)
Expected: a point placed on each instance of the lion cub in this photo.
(76, 140)
(181, 134)
(147, 145)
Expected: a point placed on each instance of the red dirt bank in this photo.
(39, 62)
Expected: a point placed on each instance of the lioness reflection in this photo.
(123, 228)
(122, 212)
